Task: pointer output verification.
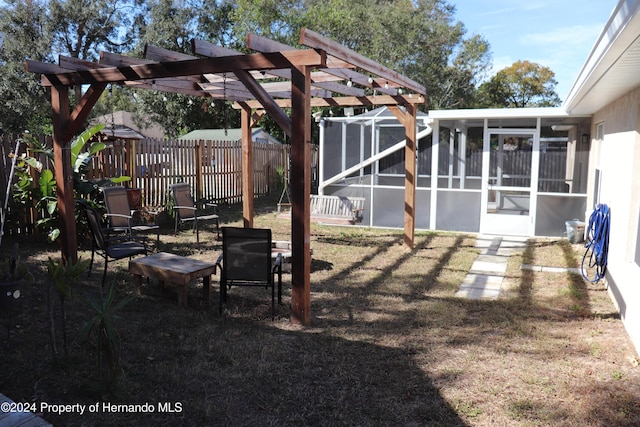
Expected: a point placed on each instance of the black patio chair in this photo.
(120, 214)
(109, 248)
(186, 210)
(246, 260)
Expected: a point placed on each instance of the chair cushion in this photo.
(205, 217)
(125, 249)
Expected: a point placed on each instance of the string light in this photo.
(350, 83)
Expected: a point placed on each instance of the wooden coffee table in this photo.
(170, 268)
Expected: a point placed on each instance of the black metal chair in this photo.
(186, 210)
(119, 213)
(246, 260)
(112, 248)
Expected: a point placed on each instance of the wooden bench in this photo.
(331, 209)
(337, 209)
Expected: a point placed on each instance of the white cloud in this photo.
(570, 36)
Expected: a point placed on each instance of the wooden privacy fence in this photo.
(20, 218)
(212, 168)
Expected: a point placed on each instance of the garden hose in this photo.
(595, 257)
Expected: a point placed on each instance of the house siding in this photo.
(618, 158)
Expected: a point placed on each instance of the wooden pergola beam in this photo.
(159, 54)
(317, 41)
(351, 101)
(343, 70)
(82, 110)
(54, 75)
(265, 101)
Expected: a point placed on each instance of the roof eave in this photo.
(618, 35)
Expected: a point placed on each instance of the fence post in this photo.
(131, 153)
(198, 165)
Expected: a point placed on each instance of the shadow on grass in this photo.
(235, 371)
(294, 378)
(382, 323)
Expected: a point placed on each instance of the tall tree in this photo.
(168, 24)
(216, 25)
(274, 19)
(523, 84)
(81, 27)
(418, 38)
(41, 29)
(22, 99)
(172, 25)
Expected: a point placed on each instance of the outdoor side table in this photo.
(176, 269)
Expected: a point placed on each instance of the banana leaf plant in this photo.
(42, 194)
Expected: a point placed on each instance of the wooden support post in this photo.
(410, 175)
(64, 173)
(247, 167)
(300, 185)
(408, 119)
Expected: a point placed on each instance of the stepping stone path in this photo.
(484, 280)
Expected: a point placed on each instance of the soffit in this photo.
(611, 70)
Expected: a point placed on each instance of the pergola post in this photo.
(300, 185)
(64, 173)
(409, 119)
(247, 167)
(411, 174)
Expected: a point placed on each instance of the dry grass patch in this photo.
(389, 344)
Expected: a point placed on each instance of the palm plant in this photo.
(107, 340)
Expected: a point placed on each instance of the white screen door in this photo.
(509, 171)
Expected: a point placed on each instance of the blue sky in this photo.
(558, 34)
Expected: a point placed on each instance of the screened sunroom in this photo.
(499, 171)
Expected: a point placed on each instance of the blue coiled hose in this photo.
(595, 257)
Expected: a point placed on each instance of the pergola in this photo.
(275, 78)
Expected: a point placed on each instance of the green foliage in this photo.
(11, 269)
(65, 277)
(40, 30)
(418, 38)
(79, 28)
(105, 336)
(23, 100)
(523, 84)
(43, 193)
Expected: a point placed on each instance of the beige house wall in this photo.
(617, 156)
